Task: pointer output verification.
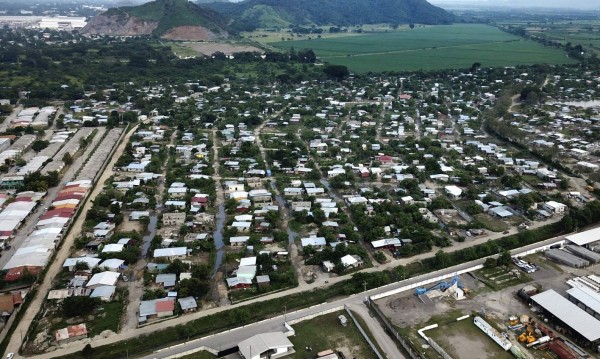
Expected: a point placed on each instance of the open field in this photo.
(462, 339)
(584, 32)
(325, 332)
(429, 48)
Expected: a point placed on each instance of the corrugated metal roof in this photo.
(586, 237)
(589, 298)
(570, 314)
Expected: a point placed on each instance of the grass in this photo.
(325, 332)
(107, 319)
(429, 48)
(492, 224)
(466, 329)
(500, 278)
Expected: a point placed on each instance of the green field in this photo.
(429, 48)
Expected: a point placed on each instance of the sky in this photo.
(569, 4)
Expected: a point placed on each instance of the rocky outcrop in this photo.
(119, 26)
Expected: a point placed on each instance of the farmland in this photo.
(429, 48)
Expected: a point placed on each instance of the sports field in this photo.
(429, 48)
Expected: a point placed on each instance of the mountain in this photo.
(168, 19)
(252, 14)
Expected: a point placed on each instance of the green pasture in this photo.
(429, 48)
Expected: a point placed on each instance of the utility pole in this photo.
(365, 287)
(284, 314)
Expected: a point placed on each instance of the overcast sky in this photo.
(569, 4)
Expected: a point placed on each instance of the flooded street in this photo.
(151, 232)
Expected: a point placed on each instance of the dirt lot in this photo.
(409, 312)
(130, 226)
(209, 48)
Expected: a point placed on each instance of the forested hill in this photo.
(173, 19)
(252, 14)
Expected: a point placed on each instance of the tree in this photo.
(411, 25)
(504, 259)
(67, 159)
(336, 72)
(490, 263)
(39, 145)
(475, 66)
(81, 265)
(79, 306)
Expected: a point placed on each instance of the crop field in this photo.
(429, 48)
(584, 33)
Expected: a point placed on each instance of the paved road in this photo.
(63, 251)
(229, 339)
(223, 339)
(386, 343)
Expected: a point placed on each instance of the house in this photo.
(316, 242)
(237, 283)
(113, 248)
(174, 219)
(555, 207)
(387, 243)
(238, 241)
(293, 192)
(167, 280)
(70, 263)
(351, 261)
(112, 264)
(187, 304)
(263, 281)
(242, 226)
(71, 333)
(267, 345)
(105, 292)
(453, 192)
(102, 279)
(171, 253)
(137, 215)
(157, 308)
(177, 192)
(407, 200)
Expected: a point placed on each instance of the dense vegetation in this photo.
(173, 13)
(253, 14)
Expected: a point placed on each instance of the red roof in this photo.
(23, 199)
(14, 274)
(200, 199)
(64, 196)
(17, 298)
(385, 158)
(61, 212)
(165, 305)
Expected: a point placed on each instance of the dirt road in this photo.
(63, 253)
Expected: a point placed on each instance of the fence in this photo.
(373, 347)
(438, 349)
(406, 345)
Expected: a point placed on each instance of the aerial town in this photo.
(294, 210)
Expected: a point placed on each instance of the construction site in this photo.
(542, 310)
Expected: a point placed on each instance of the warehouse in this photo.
(586, 299)
(584, 238)
(568, 315)
(566, 258)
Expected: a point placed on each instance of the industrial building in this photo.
(569, 316)
(266, 345)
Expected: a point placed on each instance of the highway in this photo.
(230, 339)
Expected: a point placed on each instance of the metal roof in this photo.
(570, 314)
(261, 343)
(586, 237)
(589, 298)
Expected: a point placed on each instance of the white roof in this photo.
(586, 296)
(453, 190)
(170, 252)
(313, 241)
(586, 237)
(248, 261)
(239, 239)
(261, 343)
(91, 262)
(246, 272)
(112, 263)
(348, 260)
(569, 313)
(386, 242)
(113, 248)
(104, 278)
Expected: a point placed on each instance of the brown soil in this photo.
(227, 49)
(190, 33)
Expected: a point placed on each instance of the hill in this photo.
(168, 19)
(252, 14)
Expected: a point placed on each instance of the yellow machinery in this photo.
(527, 337)
(513, 320)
